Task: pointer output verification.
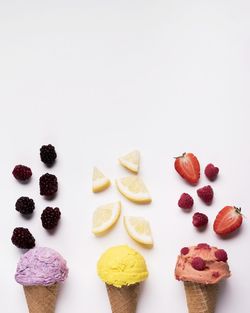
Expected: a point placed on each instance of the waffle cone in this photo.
(41, 299)
(201, 298)
(124, 299)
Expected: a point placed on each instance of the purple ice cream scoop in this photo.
(41, 266)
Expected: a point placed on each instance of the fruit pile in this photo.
(133, 188)
(228, 219)
(22, 237)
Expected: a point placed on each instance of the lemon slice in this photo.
(131, 161)
(105, 217)
(139, 229)
(134, 189)
(100, 182)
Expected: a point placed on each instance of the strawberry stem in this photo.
(180, 156)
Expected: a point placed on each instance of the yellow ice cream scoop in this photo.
(122, 266)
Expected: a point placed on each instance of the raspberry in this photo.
(199, 220)
(216, 274)
(203, 246)
(48, 184)
(22, 238)
(221, 255)
(25, 205)
(48, 154)
(184, 250)
(50, 217)
(206, 194)
(186, 201)
(198, 264)
(211, 171)
(22, 172)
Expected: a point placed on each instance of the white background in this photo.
(98, 79)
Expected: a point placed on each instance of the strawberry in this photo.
(188, 167)
(227, 220)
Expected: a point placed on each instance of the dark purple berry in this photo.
(48, 185)
(22, 172)
(22, 238)
(50, 217)
(25, 205)
(48, 154)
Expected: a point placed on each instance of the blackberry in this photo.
(48, 184)
(50, 217)
(25, 205)
(48, 154)
(22, 238)
(22, 172)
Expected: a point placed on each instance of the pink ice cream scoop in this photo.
(41, 267)
(202, 264)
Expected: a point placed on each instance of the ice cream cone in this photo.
(41, 299)
(201, 298)
(124, 299)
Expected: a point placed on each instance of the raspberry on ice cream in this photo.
(221, 255)
(184, 250)
(198, 264)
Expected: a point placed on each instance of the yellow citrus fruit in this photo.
(139, 229)
(105, 217)
(134, 189)
(99, 181)
(131, 161)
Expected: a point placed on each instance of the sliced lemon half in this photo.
(131, 161)
(134, 189)
(99, 181)
(105, 217)
(138, 229)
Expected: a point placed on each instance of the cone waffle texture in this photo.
(41, 299)
(201, 298)
(124, 299)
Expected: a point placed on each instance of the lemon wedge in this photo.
(131, 161)
(139, 229)
(105, 217)
(134, 189)
(99, 181)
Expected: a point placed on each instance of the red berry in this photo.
(22, 172)
(203, 246)
(184, 250)
(200, 220)
(211, 171)
(206, 194)
(227, 220)
(198, 264)
(188, 166)
(216, 274)
(221, 255)
(186, 201)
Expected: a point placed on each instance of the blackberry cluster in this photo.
(22, 172)
(22, 238)
(50, 217)
(25, 205)
(48, 154)
(48, 184)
